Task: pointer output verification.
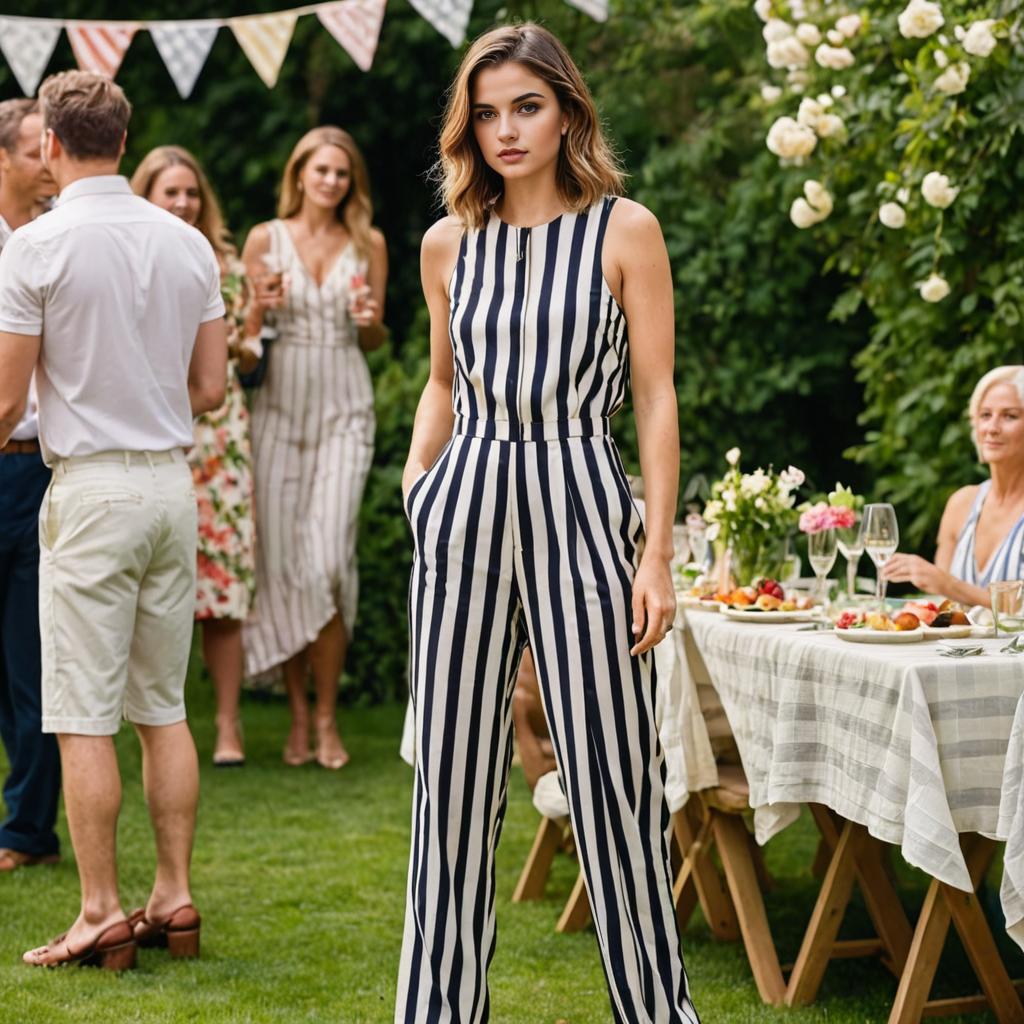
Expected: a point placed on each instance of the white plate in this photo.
(948, 632)
(881, 636)
(695, 603)
(747, 615)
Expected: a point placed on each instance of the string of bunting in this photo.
(28, 43)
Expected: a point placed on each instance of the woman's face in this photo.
(999, 426)
(326, 176)
(176, 189)
(517, 121)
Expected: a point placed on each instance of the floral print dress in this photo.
(221, 462)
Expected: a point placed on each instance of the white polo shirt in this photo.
(117, 288)
(28, 427)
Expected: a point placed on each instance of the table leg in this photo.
(942, 904)
(734, 848)
(880, 896)
(816, 948)
(535, 871)
(696, 844)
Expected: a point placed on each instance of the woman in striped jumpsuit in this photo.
(525, 530)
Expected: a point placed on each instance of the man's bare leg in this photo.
(170, 778)
(92, 801)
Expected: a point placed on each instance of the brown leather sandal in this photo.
(11, 860)
(178, 934)
(112, 950)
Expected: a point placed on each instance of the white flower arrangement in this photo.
(920, 19)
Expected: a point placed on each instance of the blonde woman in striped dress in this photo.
(981, 536)
(322, 268)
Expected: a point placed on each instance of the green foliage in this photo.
(921, 359)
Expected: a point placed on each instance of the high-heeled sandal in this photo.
(112, 950)
(178, 934)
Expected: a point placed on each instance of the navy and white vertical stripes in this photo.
(525, 533)
(1005, 563)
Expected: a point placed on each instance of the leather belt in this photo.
(27, 447)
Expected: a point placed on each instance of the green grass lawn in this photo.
(300, 876)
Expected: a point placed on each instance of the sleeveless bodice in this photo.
(536, 334)
(315, 314)
(1005, 563)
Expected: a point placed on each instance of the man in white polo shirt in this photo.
(116, 305)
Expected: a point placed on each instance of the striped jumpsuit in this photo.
(525, 532)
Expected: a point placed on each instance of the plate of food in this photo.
(766, 601)
(943, 621)
(702, 601)
(859, 627)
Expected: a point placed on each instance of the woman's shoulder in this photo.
(958, 508)
(629, 215)
(442, 235)
(259, 235)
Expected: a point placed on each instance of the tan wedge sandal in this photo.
(178, 934)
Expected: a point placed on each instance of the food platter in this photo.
(754, 615)
(949, 632)
(700, 603)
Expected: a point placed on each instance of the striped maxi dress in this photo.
(525, 531)
(312, 439)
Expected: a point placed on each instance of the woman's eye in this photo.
(484, 115)
(528, 108)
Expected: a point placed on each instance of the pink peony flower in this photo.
(826, 517)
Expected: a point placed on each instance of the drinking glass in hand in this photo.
(821, 553)
(881, 538)
(851, 546)
(1007, 606)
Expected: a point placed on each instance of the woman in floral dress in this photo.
(221, 459)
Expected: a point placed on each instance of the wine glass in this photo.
(851, 546)
(881, 535)
(821, 553)
(680, 553)
(697, 535)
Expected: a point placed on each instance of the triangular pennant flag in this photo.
(28, 44)
(184, 46)
(597, 9)
(265, 39)
(100, 48)
(449, 17)
(356, 25)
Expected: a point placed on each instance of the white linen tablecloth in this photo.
(916, 747)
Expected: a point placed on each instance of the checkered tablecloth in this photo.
(916, 747)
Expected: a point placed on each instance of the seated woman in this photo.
(981, 537)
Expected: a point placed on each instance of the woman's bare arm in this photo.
(434, 417)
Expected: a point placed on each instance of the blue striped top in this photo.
(1007, 561)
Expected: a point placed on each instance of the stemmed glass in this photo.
(697, 535)
(821, 553)
(881, 535)
(851, 547)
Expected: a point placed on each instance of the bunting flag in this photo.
(356, 25)
(265, 39)
(27, 45)
(184, 46)
(100, 48)
(597, 9)
(449, 17)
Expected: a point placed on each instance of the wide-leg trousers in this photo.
(532, 541)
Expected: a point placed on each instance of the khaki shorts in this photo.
(117, 542)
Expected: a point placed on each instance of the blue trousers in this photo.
(32, 788)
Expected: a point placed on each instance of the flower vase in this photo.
(757, 557)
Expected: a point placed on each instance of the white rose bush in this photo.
(923, 171)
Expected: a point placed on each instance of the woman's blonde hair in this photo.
(211, 220)
(587, 167)
(1012, 375)
(355, 210)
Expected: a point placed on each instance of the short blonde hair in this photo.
(355, 211)
(211, 220)
(1012, 375)
(587, 169)
(87, 112)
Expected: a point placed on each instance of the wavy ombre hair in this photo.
(211, 220)
(355, 210)
(587, 167)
